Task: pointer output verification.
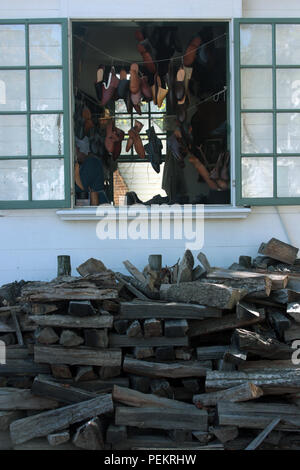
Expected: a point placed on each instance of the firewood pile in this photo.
(182, 357)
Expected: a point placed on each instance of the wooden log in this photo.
(123, 341)
(185, 268)
(261, 437)
(43, 387)
(234, 356)
(292, 333)
(17, 352)
(58, 438)
(42, 309)
(260, 345)
(293, 309)
(63, 265)
(227, 322)
(153, 327)
(161, 418)
(225, 433)
(155, 262)
(81, 308)
(134, 398)
(89, 436)
(172, 370)
(279, 250)
(134, 272)
(181, 435)
(279, 322)
(23, 367)
(69, 338)
(103, 386)
(17, 327)
(247, 310)
(244, 392)
(274, 280)
(7, 417)
(17, 399)
(45, 423)
(61, 371)
(176, 328)
(205, 353)
(225, 366)
(68, 321)
(165, 353)
(143, 352)
(134, 330)
(152, 442)
(142, 309)
(106, 372)
(284, 296)
(256, 286)
(115, 434)
(85, 373)
(278, 364)
(96, 338)
(213, 295)
(46, 335)
(258, 415)
(78, 356)
(184, 354)
(204, 261)
(121, 326)
(272, 382)
(42, 444)
(91, 266)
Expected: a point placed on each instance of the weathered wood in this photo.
(184, 354)
(46, 335)
(266, 364)
(96, 338)
(257, 286)
(172, 370)
(279, 250)
(134, 271)
(124, 341)
(143, 309)
(121, 326)
(261, 345)
(181, 435)
(272, 382)
(107, 372)
(143, 352)
(225, 366)
(205, 353)
(244, 392)
(225, 433)
(18, 399)
(103, 386)
(134, 330)
(274, 280)
(81, 308)
(91, 266)
(63, 265)
(185, 268)
(61, 371)
(151, 442)
(69, 338)
(155, 262)
(23, 367)
(17, 327)
(153, 327)
(204, 261)
(227, 322)
(121, 278)
(279, 322)
(258, 415)
(213, 295)
(7, 417)
(292, 333)
(293, 309)
(129, 397)
(261, 437)
(162, 418)
(78, 356)
(85, 373)
(42, 309)
(89, 436)
(42, 444)
(68, 321)
(247, 310)
(165, 353)
(176, 328)
(58, 438)
(53, 390)
(234, 356)
(115, 434)
(45, 423)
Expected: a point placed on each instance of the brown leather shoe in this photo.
(179, 87)
(109, 88)
(145, 89)
(138, 126)
(147, 58)
(137, 142)
(134, 78)
(191, 51)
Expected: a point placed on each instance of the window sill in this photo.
(130, 212)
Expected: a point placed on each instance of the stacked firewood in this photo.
(180, 357)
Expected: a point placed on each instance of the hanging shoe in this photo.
(145, 89)
(154, 149)
(147, 57)
(99, 82)
(134, 85)
(179, 87)
(161, 92)
(123, 85)
(138, 126)
(191, 51)
(135, 139)
(109, 88)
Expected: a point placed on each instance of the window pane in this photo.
(257, 177)
(12, 90)
(13, 180)
(288, 88)
(123, 122)
(156, 109)
(158, 122)
(45, 44)
(288, 177)
(120, 106)
(256, 89)
(288, 132)
(46, 90)
(13, 135)
(47, 134)
(144, 108)
(257, 133)
(12, 45)
(287, 44)
(256, 44)
(47, 179)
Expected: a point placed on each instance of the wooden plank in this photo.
(156, 309)
(60, 392)
(261, 437)
(169, 370)
(130, 287)
(279, 250)
(155, 442)
(23, 367)
(17, 327)
(77, 356)
(69, 321)
(227, 322)
(205, 353)
(261, 345)
(278, 364)
(134, 271)
(45, 423)
(13, 399)
(123, 341)
(17, 352)
(244, 392)
(160, 418)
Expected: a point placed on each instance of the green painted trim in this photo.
(30, 204)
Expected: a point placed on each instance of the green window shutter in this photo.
(34, 114)
(267, 110)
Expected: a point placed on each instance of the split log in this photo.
(89, 436)
(247, 310)
(134, 272)
(69, 338)
(258, 415)
(274, 280)
(46, 336)
(150, 442)
(244, 392)
(213, 295)
(85, 373)
(153, 327)
(61, 371)
(234, 356)
(116, 434)
(176, 328)
(155, 262)
(42, 309)
(96, 338)
(227, 322)
(43, 444)
(277, 364)
(205, 353)
(103, 386)
(81, 308)
(261, 345)
(17, 399)
(225, 433)
(45, 423)
(143, 309)
(204, 261)
(161, 388)
(272, 382)
(142, 352)
(68, 321)
(7, 417)
(17, 327)
(279, 250)
(78, 356)
(172, 370)
(279, 322)
(46, 388)
(63, 265)
(121, 278)
(134, 330)
(58, 438)
(124, 341)
(293, 309)
(23, 367)
(91, 266)
(255, 286)
(185, 268)
(162, 418)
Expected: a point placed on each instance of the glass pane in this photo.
(12, 45)
(256, 89)
(46, 90)
(13, 135)
(120, 106)
(13, 180)
(288, 88)
(256, 44)
(144, 107)
(123, 122)
(287, 44)
(45, 44)
(48, 179)
(288, 132)
(158, 122)
(47, 134)
(257, 177)
(12, 90)
(156, 109)
(257, 133)
(288, 177)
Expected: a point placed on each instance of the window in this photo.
(34, 142)
(267, 57)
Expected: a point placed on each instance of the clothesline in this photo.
(113, 58)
